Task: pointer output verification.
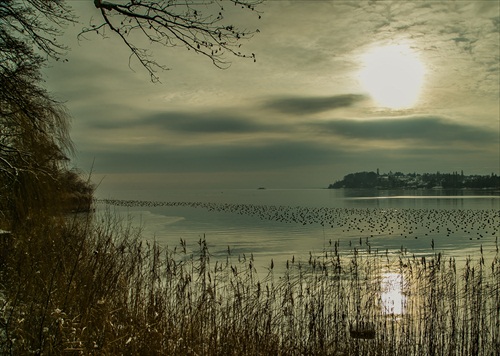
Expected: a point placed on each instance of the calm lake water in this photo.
(278, 224)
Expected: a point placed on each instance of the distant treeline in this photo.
(400, 180)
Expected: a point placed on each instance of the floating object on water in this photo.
(362, 330)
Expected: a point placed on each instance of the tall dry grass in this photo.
(91, 285)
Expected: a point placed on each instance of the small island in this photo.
(398, 180)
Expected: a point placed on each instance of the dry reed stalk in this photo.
(90, 286)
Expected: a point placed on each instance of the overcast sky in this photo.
(306, 112)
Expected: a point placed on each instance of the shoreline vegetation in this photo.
(399, 180)
(90, 283)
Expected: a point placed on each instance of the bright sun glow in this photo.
(393, 75)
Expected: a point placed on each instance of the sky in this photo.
(337, 87)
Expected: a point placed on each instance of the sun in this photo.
(392, 75)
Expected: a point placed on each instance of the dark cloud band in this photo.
(312, 105)
(422, 128)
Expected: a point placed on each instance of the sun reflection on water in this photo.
(393, 299)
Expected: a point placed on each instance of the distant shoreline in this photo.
(414, 181)
(494, 189)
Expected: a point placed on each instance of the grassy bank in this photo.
(90, 285)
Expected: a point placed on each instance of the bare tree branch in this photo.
(196, 25)
(37, 22)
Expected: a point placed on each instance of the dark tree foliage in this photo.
(357, 180)
(412, 180)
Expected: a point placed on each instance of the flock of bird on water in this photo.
(365, 223)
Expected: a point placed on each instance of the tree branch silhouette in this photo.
(196, 25)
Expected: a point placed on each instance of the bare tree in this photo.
(198, 25)
(34, 135)
(38, 23)
(34, 139)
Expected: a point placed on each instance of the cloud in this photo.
(212, 158)
(259, 154)
(189, 122)
(203, 120)
(204, 123)
(310, 105)
(431, 129)
(310, 161)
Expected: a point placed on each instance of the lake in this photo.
(278, 225)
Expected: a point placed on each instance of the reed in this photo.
(92, 285)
